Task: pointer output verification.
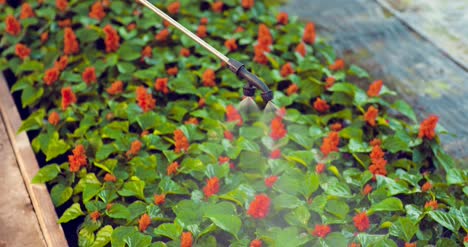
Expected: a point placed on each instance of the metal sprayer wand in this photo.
(233, 65)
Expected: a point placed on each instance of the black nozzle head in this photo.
(249, 91)
(267, 96)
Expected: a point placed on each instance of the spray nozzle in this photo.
(253, 81)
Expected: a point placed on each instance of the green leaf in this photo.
(133, 188)
(55, 147)
(303, 157)
(30, 95)
(455, 176)
(168, 186)
(289, 237)
(73, 212)
(60, 194)
(404, 228)
(405, 109)
(335, 239)
(357, 71)
(138, 239)
(224, 216)
(170, 230)
(34, 121)
(447, 220)
(118, 211)
(446, 242)
(337, 189)
(85, 237)
(298, 217)
(128, 52)
(310, 185)
(286, 201)
(188, 213)
(120, 234)
(46, 173)
(90, 190)
(389, 204)
(396, 143)
(103, 236)
(337, 208)
(368, 240)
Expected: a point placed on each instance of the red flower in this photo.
(26, 11)
(292, 89)
(354, 245)
(181, 141)
(410, 244)
(361, 222)
(134, 148)
(89, 75)
(115, 88)
(330, 143)
(61, 5)
(62, 63)
(204, 21)
(338, 65)
(431, 205)
(131, 27)
(275, 154)
(277, 129)
(329, 82)
(70, 42)
(145, 100)
(270, 181)
(12, 26)
(172, 168)
(54, 118)
(426, 187)
(209, 78)
(172, 71)
(233, 115)
(378, 162)
(201, 103)
(228, 135)
(144, 222)
(286, 70)
(211, 187)
(97, 11)
(161, 85)
(192, 120)
(147, 52)
(239, 30)
(427, 127)
(260, 56)
(320, 168)
(465, 240)
(301, 49)
(321, 105)
(371, 115)
(321, 231)
(282, 18)
(68, 97)
(184, 52)
(173, 8)
(44, 37)
(95, 216)
(201, 31)
(231, 44)
(336, 127)
(217, 7)
(162, 35)
(248, 4)
(260, 207)
(109, 178)
(264, 37)
(309, 33)
(64, 23)
(112, 39)
(78, 159)
(223, 159)
(256, 243)
(374, 88)
(22, 51)
(159, 199)
(186, 240)
(375, 142)
(367, 189)
(281, 112)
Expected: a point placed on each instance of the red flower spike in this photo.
(321, 105)
(97, 11)
(131, 27)
(231, 45)
(212, 187)
(186, 240)
(62, 63)
(159, 199)
(329, 82)
(95, 216)
(173, 8)
(161, 85)
(375, 142)
(330, 143)
(248, 4)
(204, 21)
(162, 36)
(239, 30)
(22, 51)
(217, 7)
(26, 11)
(321, 231)
(320, 168)
(228, 135)
(233, 115)
(12, 26)
(432, 205)
(201, 103)
(115, 88)
(68, 97)
(339, 64)
(309, 33)
(89, 75)
(426, 187)
(260, 56)
(184, 52)
(54, 118)
(361, 222)
(336, 127)
(410, 244)
(277, 129)
(223, 160)
(172, 168)
(256, 243)
(270, 181)
(70, 42)
(260, 207)
(275, 154)
(209, 78)
(173, 71)
(427, 127)
(147, 52)
(134, 149)
(374, 88)
(61, 5)
(144, 222)
(286, 70)
(144, 99)
(201, 31)
(181, 141)
(371, 115)
(282, 18)
(44, 37)
(367, 189)
(301, 49)
(292, 89)
(354, 245)
(192, 120)
(78, 159)
(112, 39)
(110, 178)
(64, 23)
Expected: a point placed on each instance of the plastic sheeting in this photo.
(423, 75)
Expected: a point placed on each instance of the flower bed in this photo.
(142, 142)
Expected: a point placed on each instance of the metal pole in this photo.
(185, 31)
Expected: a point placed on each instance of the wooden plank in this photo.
(40, 198)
